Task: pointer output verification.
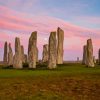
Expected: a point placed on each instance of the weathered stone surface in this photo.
(78, 59)
(17, 60)
(5, 57)
(32, 50)
(10, 55)
(60, 35)
(36, 54)
(99, 56)
(45, 53)
(52, 51)
(94, 60)
(22, 52)
(84, 54)
(90, 62)
(25, 57)
(32, 58)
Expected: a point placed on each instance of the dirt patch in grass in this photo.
(51, 88)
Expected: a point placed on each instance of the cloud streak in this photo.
(22, 24)
(43, 24)
(89, 19)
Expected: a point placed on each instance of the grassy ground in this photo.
(67, 82)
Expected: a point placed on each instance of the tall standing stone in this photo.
(99, 56)
(60, 36)
(52, 51)
(78, 59)
(10, 55)
(37, 54)
(90, 62)
(5, 57)
(32, 50)
(17, 62)
(84, 54)
(22, 52)
(94, 59)
(45, 53)
(25, 57)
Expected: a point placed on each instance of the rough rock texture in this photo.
(22, 52)
(32, 50)
(45, 53)
(25, 57)
(5, 57)
(10, 55)
(84, 54)
(52, 51)
(94, 60)
(32, 58)
(90, 62)
(78, 59)
(99, 56)
(36, 54)
(17, 60)
(60, 35)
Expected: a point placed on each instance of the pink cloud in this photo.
(88, 19)
(93, 19)
(15, 21)
(21, 26)
(14, 26)
(1, 44)
(44, 25)
(3, 36)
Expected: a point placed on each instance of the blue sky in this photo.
(80, 20)
(74, 11)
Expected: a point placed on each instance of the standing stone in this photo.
(22, 52)
(32, 50)
(78, 59)
(52, 51)
(45, 53)
(32, 58)
(36, 54)
(25, 57)
(5, 57)
(17, 63)
(94, 60)
(90, 62)
(60, 35)
(10, 56)
(84, 54)
(99, 56)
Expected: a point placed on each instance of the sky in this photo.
(80, 20)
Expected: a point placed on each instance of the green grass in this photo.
(67, 82)
(66, 69)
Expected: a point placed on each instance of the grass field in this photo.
(67, 82)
